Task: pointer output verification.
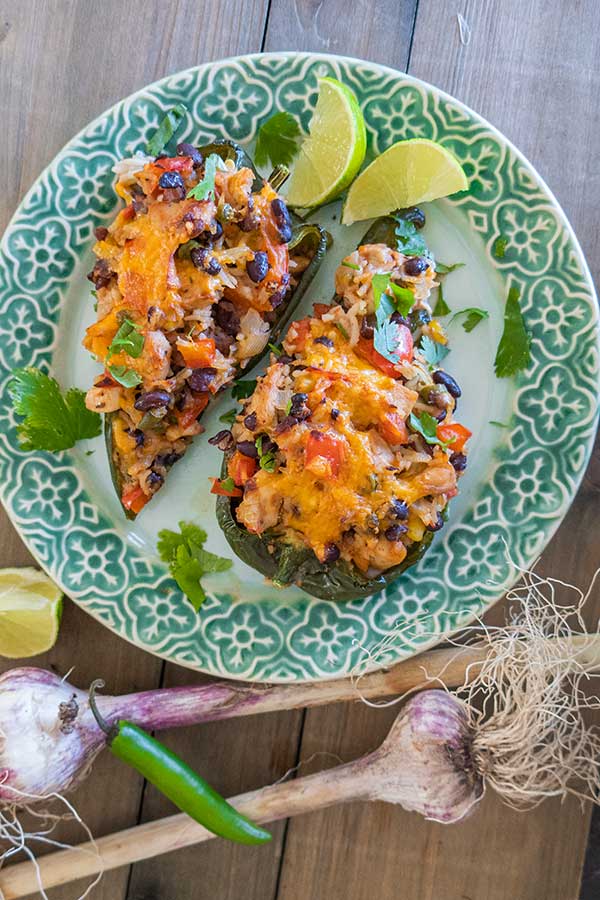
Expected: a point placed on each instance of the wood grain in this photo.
(504, 73)
(61, 64)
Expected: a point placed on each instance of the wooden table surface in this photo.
(532, 69)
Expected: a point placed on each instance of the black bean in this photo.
(394, 532)
(439, 523)
(250, 222)
(298, 407)
(248, 448)
(277, 298)
(217, 231)
(282, 220)
(437, 396)
(140, 207)
(398, 319)
(268, 446)
(399, 509)
(418, 318)
(201, 379)
(171, 180)
(101, 274)
(458, 461)
(152, 400)
(415, 265)
(202, 259)
(137, 435)
(166, 460)
(413, 214)
(250, 421)
(332, 552)
(299, 398)
(440, 415)
(286, 423)
(223, 341)
(154, 480)
(441, 377)
(226, 317)
(258, 267)
(101, 233)
(285, 360)
(367, 327)
(335, 414)
(185, 149)
(326, 341)
(222, 439)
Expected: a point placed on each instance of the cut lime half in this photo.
(406, 174)
(333, 152)
(30, 610)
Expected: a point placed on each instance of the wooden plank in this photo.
(356, 851)
(381, 33)
(64, 62)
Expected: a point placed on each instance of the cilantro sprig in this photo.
(277, 140)
(441, 307)
(205, 189)
(433, 352)
(128, 339)
(474, 315)
(443, 269)
(127, 377)
(427, 426)
(188, 560)
(408, 239)
(166, 129)
(514, 353)
(52, 421)
(385, 338)
(266, 460)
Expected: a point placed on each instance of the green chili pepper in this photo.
(174, 778)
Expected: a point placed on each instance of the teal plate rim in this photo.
(537, 466)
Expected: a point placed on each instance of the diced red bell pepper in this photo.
(197, 354)
(241, 468)
(324, 454)
(219, 488)
(192, 409)
(403, 351)
(455, 434)
(320, 309)
(393, 428)
(183, 164)
(134, 499)
(302, 333)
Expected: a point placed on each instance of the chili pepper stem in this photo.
(98, 684)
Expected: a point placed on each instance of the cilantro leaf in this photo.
(433, 352)
(403, 297)
(441, 307)
(277, 140)
(499, 248)
(52, 421)
(229, 417)
(166, 129)
(474, 316)
(127, 377)
(188, 560)
(228, 484)
(243, 389)
(513, 352)
(443, 269)
(385, 338)
(408, 239)
(427, 426)
(205, 189)
(350, 265)
(265, 460)
(128, 339)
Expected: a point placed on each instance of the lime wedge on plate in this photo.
(333, 152)
(407, 173)
(30, 609)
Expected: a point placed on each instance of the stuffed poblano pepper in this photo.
(339, 468)
(194, 277)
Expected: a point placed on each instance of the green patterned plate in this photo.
(520, 481)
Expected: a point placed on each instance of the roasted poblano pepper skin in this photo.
(311, 240)
(285, 563)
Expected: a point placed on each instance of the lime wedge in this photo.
(30, 609)
(407, 173)
(333, 152)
